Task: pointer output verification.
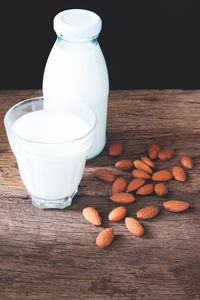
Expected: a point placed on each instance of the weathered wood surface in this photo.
(52, 254)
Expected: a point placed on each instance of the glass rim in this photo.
(41, 98)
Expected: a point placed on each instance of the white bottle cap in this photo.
(77, 24)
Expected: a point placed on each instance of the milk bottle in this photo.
(76, 68)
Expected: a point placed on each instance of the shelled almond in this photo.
(92, 215)
(147, 161)
(135, 184)
(134, 226)
(153, 150)
(125, 164)
(161, 189)
(142, 166)
(105, 238)
(148, 212)
(166, 154)
(117, 214)
(179, 173)
(122, 198)
(119, 185)
(115, 149)
(104, 175)
(146, 189)
(162, 175)
(140, 174)
(176, 205)
(186, 162)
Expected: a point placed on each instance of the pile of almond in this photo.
(122, 191)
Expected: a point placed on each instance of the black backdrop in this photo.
(147, 44)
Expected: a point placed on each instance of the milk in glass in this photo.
(44, 166)
(51, 146)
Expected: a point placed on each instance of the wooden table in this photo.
(51, 254)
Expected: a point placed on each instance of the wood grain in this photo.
(51, 254)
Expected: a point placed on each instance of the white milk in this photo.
(50, 168)
(77, 70)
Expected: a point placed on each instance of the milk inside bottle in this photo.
(76, 68)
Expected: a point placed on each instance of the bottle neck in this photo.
(76, 45)
(92, 40)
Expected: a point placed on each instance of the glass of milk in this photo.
(51, 146)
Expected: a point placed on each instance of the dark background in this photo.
(147, 44)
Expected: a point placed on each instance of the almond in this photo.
(117, 214)
(119, 185)
(92, 215)
(135, 184)
(142, 166)
(153, 150)
(146, 189)
(122, 198)
(134, 226)
(176, 205)
(186, 162)
(105, 238)
(162, 175)
(140, 174)
(115, 149)
(148, 212)
(104, 175)
(178, 173)
(125, 164)
(147, 161)
(161, 189)
(166, 154)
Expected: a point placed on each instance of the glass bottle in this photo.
(76, 68)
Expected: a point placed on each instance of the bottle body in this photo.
(77, 71)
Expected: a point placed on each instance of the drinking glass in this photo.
(50, 171)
